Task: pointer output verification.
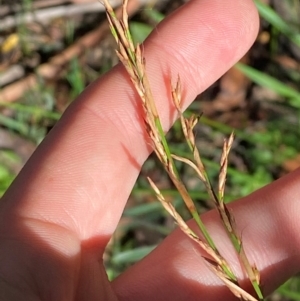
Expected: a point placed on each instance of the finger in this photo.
(268, 221)
(81, 175)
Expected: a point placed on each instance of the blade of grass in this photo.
(273, 18)
(268, 81)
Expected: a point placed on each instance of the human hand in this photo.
(58, 215)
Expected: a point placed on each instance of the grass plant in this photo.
(131, 57)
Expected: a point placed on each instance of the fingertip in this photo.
(213, 36)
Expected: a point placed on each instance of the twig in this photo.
(44, 16)
(12, 74)
(14, 8)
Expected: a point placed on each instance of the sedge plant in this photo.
(132, 58)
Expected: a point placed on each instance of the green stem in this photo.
(258, 291)
(165, 143)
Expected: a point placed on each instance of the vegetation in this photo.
(263, 109)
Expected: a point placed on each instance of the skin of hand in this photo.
(60, 212)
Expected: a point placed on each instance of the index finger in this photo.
(81, 175)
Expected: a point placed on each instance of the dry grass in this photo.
(134, 62)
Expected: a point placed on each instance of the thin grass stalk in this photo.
(133, 61)
(188, 127)
(219, 263)
(131, 58)
(225, 215)
(228, 221)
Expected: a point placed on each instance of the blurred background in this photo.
(50, 50)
